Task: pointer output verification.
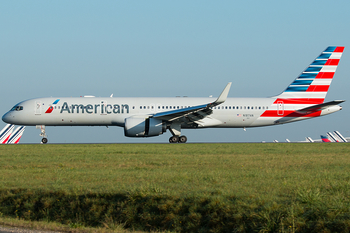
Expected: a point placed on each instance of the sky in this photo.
(166, 49)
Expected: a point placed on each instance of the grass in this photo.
(284, 186)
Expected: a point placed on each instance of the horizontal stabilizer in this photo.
(319, 107)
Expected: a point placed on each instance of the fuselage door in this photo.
(280, 108)
(37, 107)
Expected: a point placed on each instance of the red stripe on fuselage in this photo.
(290, 113)
(300, 101)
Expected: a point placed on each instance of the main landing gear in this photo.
(42, 134)
(175, 130)
(177, 139)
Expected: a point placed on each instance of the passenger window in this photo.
(248, 107)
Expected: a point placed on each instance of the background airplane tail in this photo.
(312, 85)
(5, 133)
(16, 135)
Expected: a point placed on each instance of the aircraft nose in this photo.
(7, 118)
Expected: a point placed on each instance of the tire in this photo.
(183, 139)
(174, 139)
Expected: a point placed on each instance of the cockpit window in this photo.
(17, 108)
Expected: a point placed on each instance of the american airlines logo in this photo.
(101, 108)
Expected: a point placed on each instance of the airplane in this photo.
(336, 137)
(148, 117)
(8, 136)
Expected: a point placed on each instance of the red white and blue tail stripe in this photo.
(5, 133)
(10, 136)
(325, 139)
(304, 97)
(16, 135)
(312, 85)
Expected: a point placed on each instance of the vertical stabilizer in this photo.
(312, 85)
(16, 135)
(331, 137)
(325, 139)
(5, 133)
(341, 138)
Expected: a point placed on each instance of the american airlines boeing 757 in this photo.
(148, 117)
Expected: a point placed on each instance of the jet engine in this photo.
(143, 126)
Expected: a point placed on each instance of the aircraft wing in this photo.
(196, 112)
(319, 107)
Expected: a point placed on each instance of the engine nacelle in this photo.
(143, 126)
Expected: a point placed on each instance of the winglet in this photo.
(223, 96)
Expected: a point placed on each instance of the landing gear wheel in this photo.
(174, 139)
(44, 140)
(183, 139)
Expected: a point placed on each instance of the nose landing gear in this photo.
(42, 134)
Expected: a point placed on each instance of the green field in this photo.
(283, 187)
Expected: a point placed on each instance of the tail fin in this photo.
(6, 133)
(331, 137)
(325, 139)
(342, 139)
(313, 83)
(16, 135)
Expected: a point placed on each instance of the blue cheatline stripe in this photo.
(308, 75)
(324, 56)
(313, 69)
(330, 49)
(297, 88)
(319, 62)
(302, 82)
(56, 101)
